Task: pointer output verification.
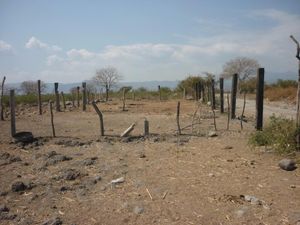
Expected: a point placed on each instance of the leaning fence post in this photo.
(233, 95)
(83, 96)
(1, 100)
(260, 98)
(177, 118)
(12, 112)
(39, 97)
(213, 97)
(222, 94)
(100, 117)
(57, 97)
(63, 98)
(51, 114)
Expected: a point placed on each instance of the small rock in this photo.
(228, 147)
(98, 178)
(89, 161)
(212, 134)
(18, 186)
(69, 174)
(54, 221)
(252, 199)
(138, 210)
(142, 155)
(287, 164)
(3, 208)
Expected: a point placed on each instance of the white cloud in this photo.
(33, 42)
(270, 45)
(80, 53)
(5, 47)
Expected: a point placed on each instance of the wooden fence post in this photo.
(100, 117)
(57, 97)
(83, 96)
(146, 127)
(199, 90)
(177, 118)
(12, 112)
(184, 93)
(213, 97)
(260, 98)
(222, 95)
(203, 92)
(233, 95)
(124, 99)
(51, 115)
(39, 97)
(1, 100)
(159, 92)
(78, 93)
(63, 98)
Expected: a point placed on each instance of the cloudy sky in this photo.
(67, 41)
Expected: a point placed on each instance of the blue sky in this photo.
(67, 41)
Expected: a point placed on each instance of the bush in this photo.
(280, 134)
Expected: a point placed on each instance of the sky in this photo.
(68, 41)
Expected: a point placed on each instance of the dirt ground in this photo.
(163, 179)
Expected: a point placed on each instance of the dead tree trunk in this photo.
(51, 115)
(12, 112)
(177, 118)
(100, 118)
(39, 98)
(1, 100)
(57, 97)
(106, 91)
(222, 95)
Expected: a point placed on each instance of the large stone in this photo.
(287, 164)
(18, 186)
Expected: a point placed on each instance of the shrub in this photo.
(280, 134)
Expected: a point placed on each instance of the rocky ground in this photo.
(201, 177)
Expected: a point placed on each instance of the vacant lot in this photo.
(163, 179)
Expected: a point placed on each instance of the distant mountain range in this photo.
(270, 77)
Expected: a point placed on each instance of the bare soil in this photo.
(168, 179)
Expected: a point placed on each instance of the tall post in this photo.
(222, 94)
(177, 118)
(57, 97)
(197, 91)
(83, 96)
(146, 127)
(159, 92)
(12, 112)
(39, 97)
(298, 93)
(213, 97)
(184, 93)
(203, 93)
(63, 98)
(1, 100)
(233, 95)
(100, 117)
(124, 98)
(51, 115)
(259, 98)
(78, 98)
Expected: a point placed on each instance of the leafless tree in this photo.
(31, 87)
(107, 77)
(245, 67)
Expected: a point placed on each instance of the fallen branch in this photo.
(128, 130)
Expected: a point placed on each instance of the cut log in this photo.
(128, 130)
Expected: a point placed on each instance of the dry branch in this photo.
(128, 130)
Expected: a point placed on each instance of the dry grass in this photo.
(280, 93)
